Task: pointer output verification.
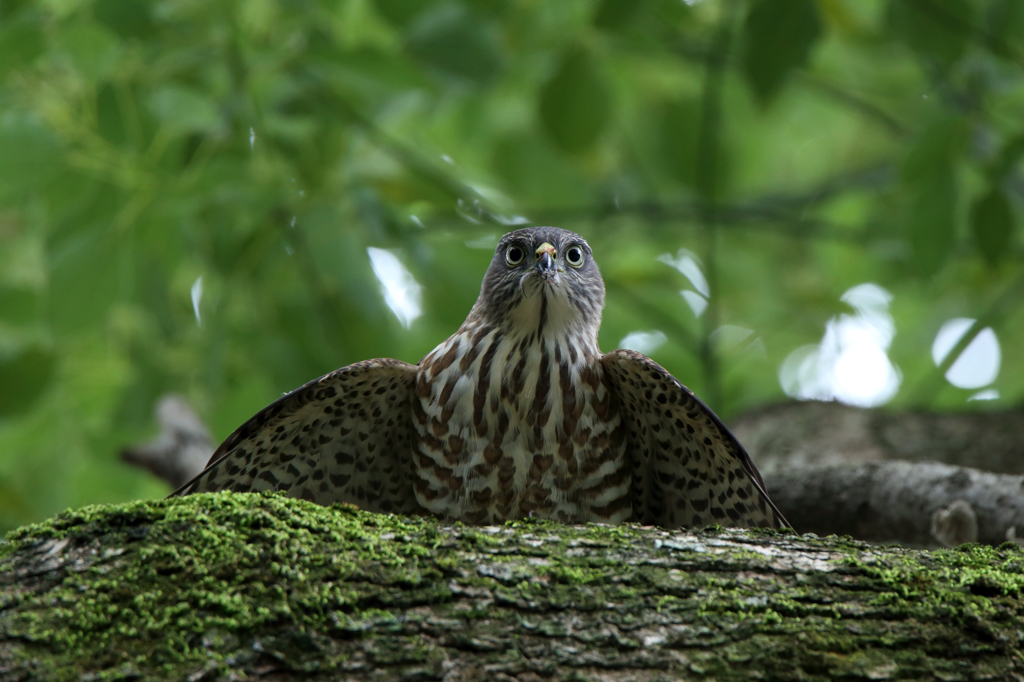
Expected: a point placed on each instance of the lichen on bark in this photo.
(225, 585)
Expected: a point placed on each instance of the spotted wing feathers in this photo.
(688, 469)
(345, 437)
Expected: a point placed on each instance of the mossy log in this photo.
(229, 586)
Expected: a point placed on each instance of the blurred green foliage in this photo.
(797, 147)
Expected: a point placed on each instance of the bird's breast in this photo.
(512, 426)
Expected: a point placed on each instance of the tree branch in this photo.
(918, 504)
(181, 449)
(887, 476)
(232, 586)
(815, 434)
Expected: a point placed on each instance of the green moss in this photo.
(958, 583)
(185, 584)
(201, 564)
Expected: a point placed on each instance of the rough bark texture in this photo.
(226, 586)
(813, 433)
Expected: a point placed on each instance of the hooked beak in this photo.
(546, 255)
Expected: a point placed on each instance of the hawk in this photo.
(517, 414)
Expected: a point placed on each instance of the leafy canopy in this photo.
(188, 191)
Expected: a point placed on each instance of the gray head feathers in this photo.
(542, 279)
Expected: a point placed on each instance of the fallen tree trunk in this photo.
(224, 586)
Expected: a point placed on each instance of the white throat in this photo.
(547, 315)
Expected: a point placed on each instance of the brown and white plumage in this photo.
(516, 414)
(344, 437)
(688, 468)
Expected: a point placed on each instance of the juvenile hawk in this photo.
(516, 414)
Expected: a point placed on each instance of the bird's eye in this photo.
(514, 255)
(574, 256)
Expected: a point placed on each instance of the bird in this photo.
(518, 414)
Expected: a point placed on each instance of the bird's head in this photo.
(543, 279)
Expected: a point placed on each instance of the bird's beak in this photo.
(546, 255)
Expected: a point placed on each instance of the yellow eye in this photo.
(574, 256)
(514, 255)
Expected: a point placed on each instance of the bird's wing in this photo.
(688, 469)
(345, 437)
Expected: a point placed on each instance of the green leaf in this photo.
(19, 305)
(936, 28)
(21, 41)
(401, 12)
(929, 188)
(779, 35)
(673, 14)
(92, 48)
(24, 377)
(680, 122)
(184, 110)
(574, 103)
(992, 225)
(932, 223)
(84, 280)
(451, 40)
(941, 145)
(367, 76)
(490, 8)
(612, 15)
(1009, 155)
(536, 172)
(1006, 28)
(127, 18)
(109, 121)
(30, 155)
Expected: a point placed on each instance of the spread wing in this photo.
(345, 437)
(688, 469)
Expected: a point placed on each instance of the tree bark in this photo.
(226, 586)
(921, 479)
(918, 504)
(812, 433)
